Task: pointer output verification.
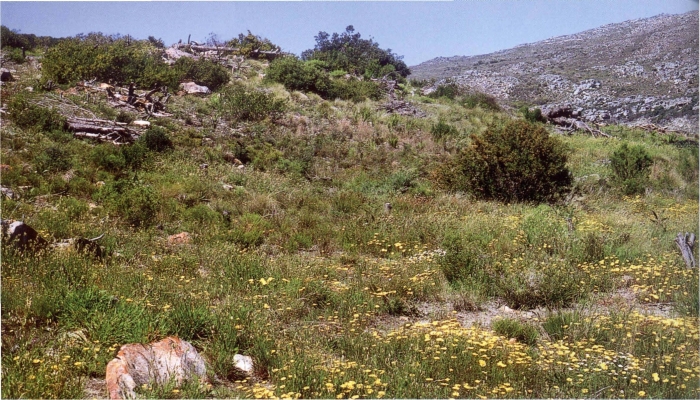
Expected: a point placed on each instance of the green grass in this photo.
(297, 264)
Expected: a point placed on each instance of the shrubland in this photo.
(511, 263)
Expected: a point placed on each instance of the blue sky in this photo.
(417, 30)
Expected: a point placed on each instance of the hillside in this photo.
(355, 240)
(639, 70)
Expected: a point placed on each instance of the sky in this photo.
(419, 31)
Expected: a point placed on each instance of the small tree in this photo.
(631, 167)
(517, 161)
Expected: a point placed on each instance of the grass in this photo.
(297, 264)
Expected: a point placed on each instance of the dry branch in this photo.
(685, 243)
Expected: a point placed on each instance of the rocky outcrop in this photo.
(169, 360)
(640, 70)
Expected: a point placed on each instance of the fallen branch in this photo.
(685, 243)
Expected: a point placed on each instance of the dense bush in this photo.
(295, 74)
(202, 72)
(443, 130)
(53, 159)
(631, 167)
(250, 104)
(312, 76)
(478, 99)
(349, 52)
(448, 90)
(28, 115)
(156, 139)
(517, 161)
(10, 38)
(533, 116)
(120, 60)
(512, 328)
(251, 45)
(354, 89)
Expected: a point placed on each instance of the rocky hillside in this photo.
(643, 70)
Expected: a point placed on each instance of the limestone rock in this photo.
(193, 88)
(171, 359)
(6, 75)
(244, 363)
(179, 238)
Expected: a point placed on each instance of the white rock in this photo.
(244, 363)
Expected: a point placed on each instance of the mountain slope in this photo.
(645, 69)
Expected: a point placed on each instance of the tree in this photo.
(349, 52)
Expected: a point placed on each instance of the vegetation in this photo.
(297, 260)
(631, 167)
(517, 161)
(349, 52)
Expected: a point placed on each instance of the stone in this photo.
(243, 363)
(143, 124)
(6, 75)
(21, 235)
(171, 359)
(227, 187)
(179, 238)
(193, 88)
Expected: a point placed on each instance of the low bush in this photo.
(448, 90)
(53, 159)
(251, 105)
(28, 115)
(443, 130)
(532, 116)
(155, 139)
(517, 161)
(631, 167)
(202, 72)
(295, 74)
(512, 328)
(482, 100)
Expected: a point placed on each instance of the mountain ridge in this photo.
(642, 70)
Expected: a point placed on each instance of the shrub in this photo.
(108, 157)
(442, 130)
(517, 161)
(631, 167)
(27, 115)
(251, 45)
(448, 90)
(251, 104)
(349, 52)
(202, 72)
(532, 115)
(156, 139)
(295, 74)
(512, 328)
(354, 89)
(482, 100)
(551, 286)
(53, 159)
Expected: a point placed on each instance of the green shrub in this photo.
(53, 159)
(15, 55)
(631, 167)
(517, 161)
(551, 286)
(251, 104)
(202, 72)
(137, 203)
(156, 139)
(295, 74)
(27, 115)
(532, 115)
(442, 130)
(515, 329)
(349, 52)
(353, 89)
(108, 157)
(482, 100)
(448, 90)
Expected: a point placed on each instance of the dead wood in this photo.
(685, 243)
